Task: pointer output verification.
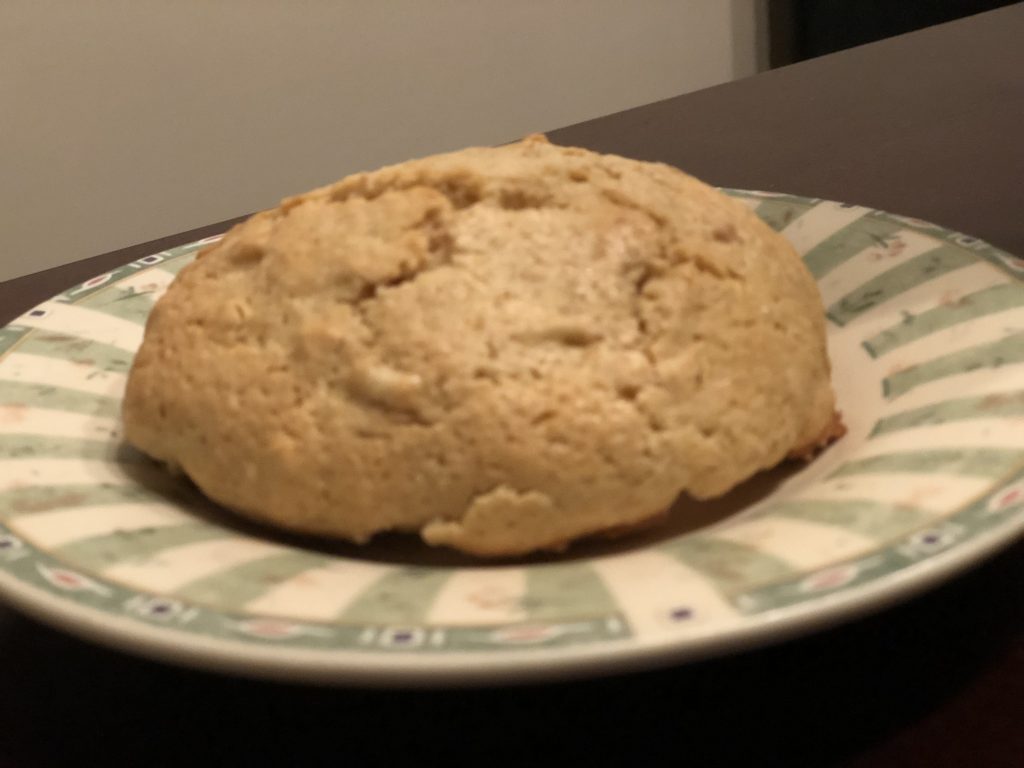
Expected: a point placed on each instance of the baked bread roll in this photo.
(500, 349)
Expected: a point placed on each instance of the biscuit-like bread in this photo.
(503, 349)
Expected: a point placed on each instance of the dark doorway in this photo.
(803, 29)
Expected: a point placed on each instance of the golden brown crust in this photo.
(832, 432)
(503, 349)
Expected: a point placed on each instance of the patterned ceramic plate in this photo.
(927, 338)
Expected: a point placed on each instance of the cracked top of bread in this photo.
(501, 349)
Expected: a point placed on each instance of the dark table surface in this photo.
(928, 125)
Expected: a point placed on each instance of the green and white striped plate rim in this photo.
(926, 332)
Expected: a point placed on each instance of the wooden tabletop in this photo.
(926, 125)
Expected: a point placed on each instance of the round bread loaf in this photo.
(502, 349)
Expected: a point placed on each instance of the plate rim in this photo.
(400, 669)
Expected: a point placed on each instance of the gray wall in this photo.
(125, 120)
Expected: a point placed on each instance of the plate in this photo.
(926, 331)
